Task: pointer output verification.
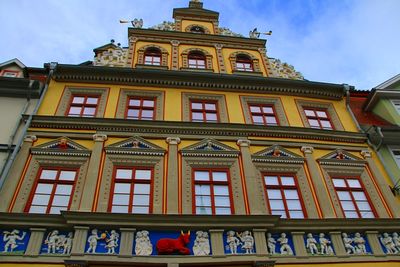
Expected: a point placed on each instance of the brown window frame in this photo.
(244, 59)
(152, 53)
(318, 118)
(140, 107)
(203, 110)
(197, 57)
(263, 114)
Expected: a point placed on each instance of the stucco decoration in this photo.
(285, 246)
(277, 154)
(390, 243)
(114, 56)
(14, 241)
(228, 32)
(169, 246)
(62, 146)
(239, 243)
(311, 244)
(318, 244)
(354, 245)
(201, 245)
(341, 157)
(165, 26)
(143, 246)
(105, 242)
(283, 70)
(271, 244)
(232, 242)
(58, 242)
(325, 245)
(135, 146)
(190, 27)
(210, 148)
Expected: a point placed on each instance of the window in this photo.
(197, 29)
(139, 108)
(197, 60)
(83, 106)
(244, 63)
(396, 153)
(396, 104)
(318, 118)
(131, 192)
(204, 111)
(283, 196)
(53, 191)
(212, 192)
(263, 114)
(353, 199)
(10, 73)
(152, 56)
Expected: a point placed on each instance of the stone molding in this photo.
(100, 137)
(30, 138)
(307, 149)
(173, 140)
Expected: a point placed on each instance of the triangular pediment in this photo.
(62, 146)
(341, 157)
(209, 147)
(135, 146)
(277, 153)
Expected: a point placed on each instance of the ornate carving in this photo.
(114, 56)
(243, 142)
(354, 245)
(389, 243)
(307, 149)
(173, 140)
(271, 244)
(284, 70)
(30, 138)
(100, 137)
(11, 239)
(201, 245)
(311, 244)
(228, 32)
(58, 243)
(169, 246)
(325, 245)
(366, 154)
(285, 247)
(164, 26)
(143, 245)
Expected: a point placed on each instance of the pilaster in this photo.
(92, 175)
(175, 54)
(172, 175)
(127, 238)
(79, 242)
(260, 241)
(220, 57)
(298, 242)
(318, 182)
(35, 242)
(373, 241)
(337, 242)
(217, 242)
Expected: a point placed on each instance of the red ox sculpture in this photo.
(178, 245)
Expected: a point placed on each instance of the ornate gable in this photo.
(209, 148)
(341, 157)
(135, 146)
(276, 154)
(62, 146)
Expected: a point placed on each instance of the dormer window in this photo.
(197, 60)
(244, 63)
(152, 56)
(197, 29)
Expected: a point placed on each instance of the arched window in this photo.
(244, 63)
(197, 60)
(152, 56)
(197, 29)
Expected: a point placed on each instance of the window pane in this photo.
(255, 109)
(291, 194)
(119, 209)
(203, 210)
(309, 113)
(268, 110)
(134, 102)
(347, 205)
(44, 189)
(274, 194)
(61, 201)
(277, 205)
(293, 205)
(123, 174)
(344, 195)
(219, 176)
(258, 119)
(197, 105)
(148, 103)
(48, 174)
(210, 106)
(89, 111)
(202, 190)
(203, 201)
(156, 60)
(41, 200)
(133, 113)
(322, 114)
(354, 183)
(142, 200)
(287, 180)
(211, 117)
(122, 188)
(201, 176)
(350, 214)
(363, 206)
(142, 189)
(197, 116)
(271, 180)
(64, 189)
(141, 210)
(222, 202)
(359, 196)
(339, 182)
(67, 175)
(37, 209)
(78, 100)
(271, 120)
(367, 214)
(221, 190)
(143, 174)
(192, 61)
(326, 124)
(57, 210)
(296, 214)
(313, 123)
(119, 199)
(147, 114)
(75, 111)
(222, 211)
(282, 213)
(91, 100)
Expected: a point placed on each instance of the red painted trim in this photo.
(244, 187)
(21, 178)
(83, 105)
(141, 107)
(60, 100)
(203, 109)
(99, 181)
(263, 114)
(118, 101)
(8, 70)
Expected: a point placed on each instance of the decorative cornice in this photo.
(60, 152)
(130, 151)
(168, 128)
(284, 160)
(335, 162)
(366, 154)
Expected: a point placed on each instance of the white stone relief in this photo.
(271, 244)
(113, 57)
(112, 242)
(165, 26)
(396, 240)
(311, 244)
(285, 247)
(228, 32)
(201, 245)
(284, 70)
(325, 244)
(11, 238)
(348, 244)
(359, 241)
(55, 242)
(247, 241)
(232, 242)
(92, 240)
(389, 244)
(354, 245)
(143, 245)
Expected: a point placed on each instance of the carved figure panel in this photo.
(57, 242)
(13, 241)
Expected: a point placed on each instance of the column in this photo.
(260, 241)
(382, 184)
(337, 242)
(35, 241)
(374, 243)
(217, 242)
(254, 187)
(126, 245)
(11, 182)
(79, 242)
(220, 58)
(172, 175)
(92, 175)
(298, 242)
(175, 55)
(317, 180)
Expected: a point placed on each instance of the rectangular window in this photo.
(204, 111)
(352, 197)
(139, 108)
(131, 192)
(53, 191)
(263, 114)
(154, 60)
(212, 192)
(396, 104)
(83, 106)
(244, 66)
(318, 118)
(283, 196)
(396, 153)
(10, 73)
(197, 63)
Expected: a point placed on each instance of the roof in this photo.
(196, 10)
(364, 117)
(15, 61)
(395, 80)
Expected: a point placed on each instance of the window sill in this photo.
(145, 66)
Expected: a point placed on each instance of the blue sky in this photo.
(346, 41)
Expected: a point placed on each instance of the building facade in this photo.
(192, 147)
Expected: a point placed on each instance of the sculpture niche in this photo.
(168, 246)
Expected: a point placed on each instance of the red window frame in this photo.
(212, 183)
(132, 182)
(281, 187)
(16, 72)
(55, 182)
(351, 190)
(204, 110)
(244, 63)
(152, 56)
(197, 60)
(318, 118)
(83, 105)
(265, 115)
(140, 108)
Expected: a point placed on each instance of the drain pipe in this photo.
(7, 167)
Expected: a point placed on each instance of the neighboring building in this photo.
(19, 94)
(193, 129)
